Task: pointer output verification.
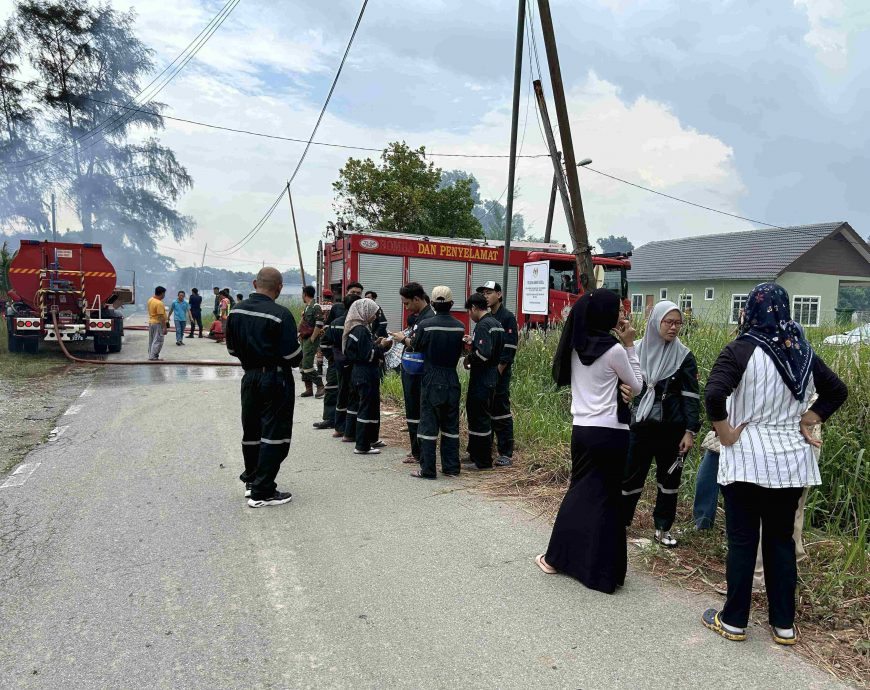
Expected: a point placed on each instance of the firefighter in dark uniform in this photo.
(486, 349)
(440, 339)
(262, 334)
(414, 300)
(502, 419)
(380, 325)
(330, 397)
(366, 351)
(310, 331)
(325, 308)
(343, 368)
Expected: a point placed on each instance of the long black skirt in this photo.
(588, 539)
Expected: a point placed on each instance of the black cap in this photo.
(489, 285)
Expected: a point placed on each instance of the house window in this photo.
(805, 310)
(663, 293)
(685, 303)
(636, 304)
(738, 304)
(709, 294)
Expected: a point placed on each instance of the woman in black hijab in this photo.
(588, 539)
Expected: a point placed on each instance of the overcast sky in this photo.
(756, 108)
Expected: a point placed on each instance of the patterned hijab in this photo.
(361, 313)
(769, 325)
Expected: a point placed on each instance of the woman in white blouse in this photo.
(588, 539)
(757, 397)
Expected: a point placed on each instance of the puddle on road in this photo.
(150, 374)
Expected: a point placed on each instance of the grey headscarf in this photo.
(658, 359)
(362, 313)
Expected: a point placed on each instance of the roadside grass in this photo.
(17, 366)
(834, 587)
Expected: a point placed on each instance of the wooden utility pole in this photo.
(512, 166)
(551, 209)
(296, 232)
(556, 157)
(579, 232)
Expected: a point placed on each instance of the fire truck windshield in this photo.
(563, 276)
(613, 279)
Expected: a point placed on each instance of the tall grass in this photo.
(841, 506)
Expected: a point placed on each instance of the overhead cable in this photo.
(119, 119)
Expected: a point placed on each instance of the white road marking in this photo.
(57, 432)
(21, 475)
(86, 393)
(73, 409)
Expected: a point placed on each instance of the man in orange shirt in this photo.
(157, 323)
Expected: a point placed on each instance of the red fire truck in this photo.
(77, 282)
(383, 262)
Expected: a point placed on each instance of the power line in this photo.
(682, 201)
(297, 140)
(795, 230)
(253, 231)
(329, 95)
(199, 41)
(256, 229)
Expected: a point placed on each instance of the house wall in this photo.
(717, 310)
(825, 287)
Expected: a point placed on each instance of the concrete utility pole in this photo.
(53, 218)
(512, 166)
(201, 265)
(578, 230)
(296, 232)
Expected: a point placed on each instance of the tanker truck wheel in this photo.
(29, 345)
(117, 333)
(13, 341)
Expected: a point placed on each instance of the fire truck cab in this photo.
(384, 262)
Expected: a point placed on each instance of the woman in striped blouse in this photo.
(757, 399)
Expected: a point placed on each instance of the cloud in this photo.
(729, 104)
(826, 36)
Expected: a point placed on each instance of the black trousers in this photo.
(343, 372)
(412, 387)
(330, 399)
(195, 320)
(367, 383)
(352, 404)
(662, 443)
(748, 508)
(267, 427)
(502, 418)
(439, 412)
(478, 409)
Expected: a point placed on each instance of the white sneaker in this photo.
(665, 538)
(372, 451)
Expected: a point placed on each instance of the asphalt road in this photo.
(129, 559)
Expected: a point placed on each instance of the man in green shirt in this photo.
(310, 330)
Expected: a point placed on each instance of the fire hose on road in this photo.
(133, 362)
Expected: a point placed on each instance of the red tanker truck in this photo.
(77, 282)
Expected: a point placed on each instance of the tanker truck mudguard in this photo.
(75, 282)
